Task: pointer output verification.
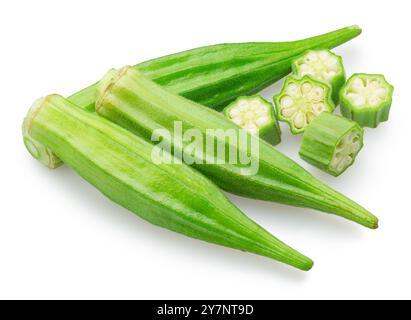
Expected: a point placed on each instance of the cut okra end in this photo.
(105, 82)
(37, 150)
(324, 66)
(301, 101)
(255, 115)
(332, 143)
(366, 99)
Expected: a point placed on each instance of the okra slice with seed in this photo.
(301, 101)
(331, 143)
(366, 99)
(257, 116)
(324, 66)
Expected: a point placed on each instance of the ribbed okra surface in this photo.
(331, 143)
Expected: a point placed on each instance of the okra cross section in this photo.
(257, 116)
(366, 99)
(331, 143)
(324, 66)
(301, 101)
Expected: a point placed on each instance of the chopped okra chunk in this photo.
(331, 143)
(301, 101)
(324, 66)
(366, 99)
(257, 116)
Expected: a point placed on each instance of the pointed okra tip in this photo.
(357, 213)
(356, 28)
(282, 252)
(295, 259)
(306, 265)
(374, 223)
(366, 219)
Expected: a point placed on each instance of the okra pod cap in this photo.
(366, 99)
(331, 143)
(301, 101)
(324, 66)
(255, 115)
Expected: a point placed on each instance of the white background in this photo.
(60, 238)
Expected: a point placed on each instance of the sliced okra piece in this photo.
(331, 143)
(257, 116)
(366, 99)
(324, 66)
(301, 101)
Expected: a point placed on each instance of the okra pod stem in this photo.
(174, 197)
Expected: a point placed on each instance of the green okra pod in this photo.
(214, 75)
(257, 116)
(301, 101)
(174, 197)
(366, 99)
(136, 103)
(324, 66)
(331, 143)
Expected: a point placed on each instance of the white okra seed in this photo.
(316, 93)
(306, 87)
(300, 120)
(293, 89)
(234, 112)
(359, 100)
(289, 112)
(286, 102)
(358, 83)
(323, 55)
(381, 92)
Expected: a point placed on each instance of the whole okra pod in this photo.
(214, 75)
(136, 103)
(174, 197)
